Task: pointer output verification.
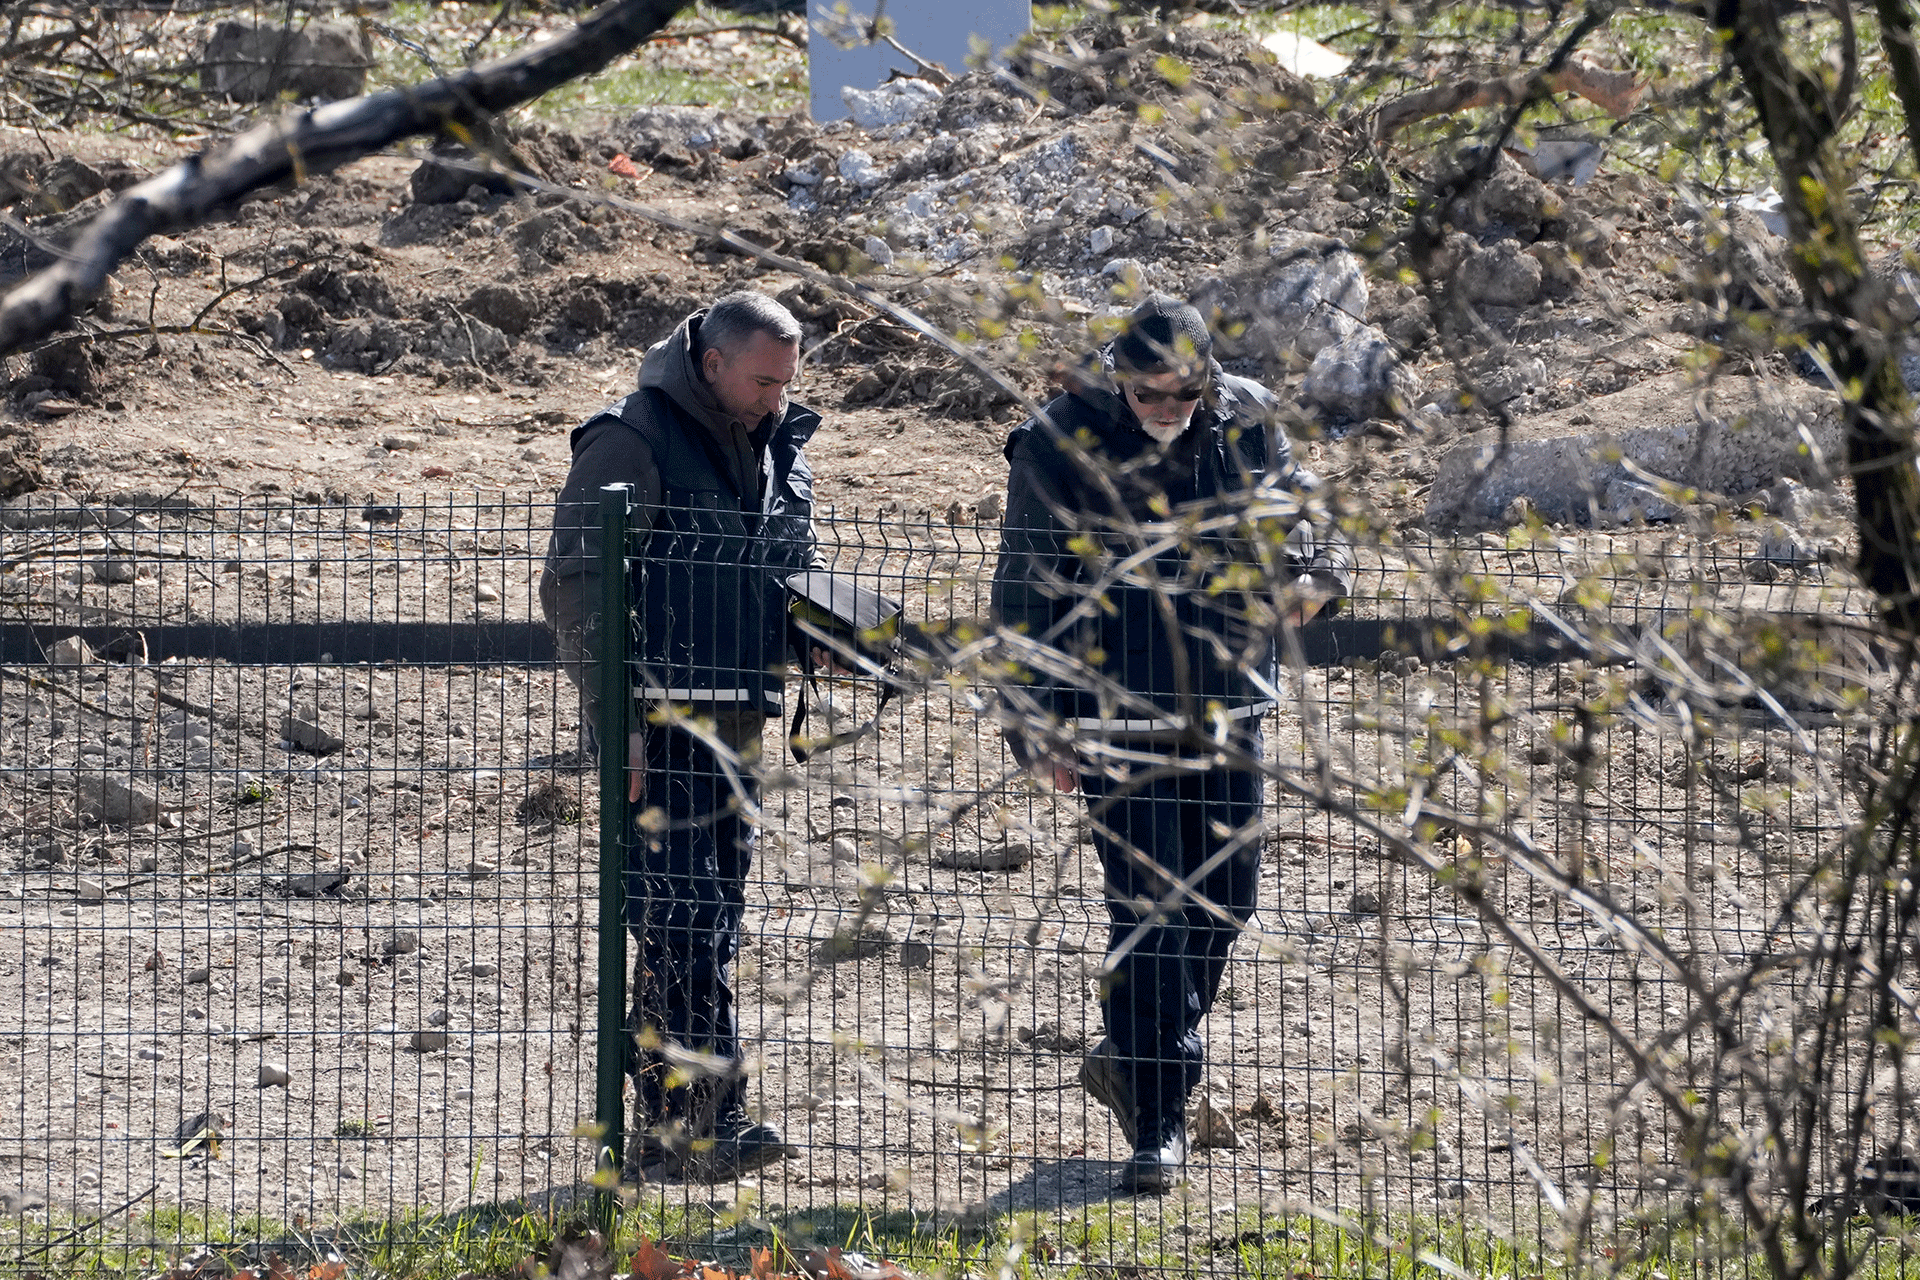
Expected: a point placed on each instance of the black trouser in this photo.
(1152, 832)
(691, 846)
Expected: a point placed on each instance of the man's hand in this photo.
(1064, 774)
(825, 660)
(1309, 599)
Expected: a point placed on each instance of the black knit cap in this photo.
(1164, 335)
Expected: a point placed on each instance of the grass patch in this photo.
(1170, 1239)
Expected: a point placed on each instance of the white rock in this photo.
(274, 1074)
(1316, 296)
(1100, 240)
(71, 652)
(1304, 57)
(486, 593)
(843, 850)
(879, 250)
(114, 801)
(1359, 377)
(1213, 1123)
(895, 102)
(858, 168)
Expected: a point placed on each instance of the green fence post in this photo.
(610, 1044)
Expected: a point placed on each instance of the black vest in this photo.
(709, 586)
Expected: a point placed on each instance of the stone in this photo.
(507, 308)
(70, 652)
(1738, 436)
(198, 977)
(676, 135)
(401, 942)
(1212, 1123)
(274, 1075)
(879, 250)
(1789, 548)
(1793, 502)
(316, 884)
(114, 801)
(1742, 265)
(1100, 240)
(486, 593)
(1315, 295)
(1503, 380)
(1003, 855)
(842, 850)
(451, 173)
(117, 569)
(1502, 274)
(429, 1041)
(310, 737)
(853, 945)
(482, 968)
(1513, 200)
(1359, 377)
(481, 870)
(317, 59)
(438, 1018)
(895, 102)
(1364, 902)
(400, 444)
(858, 168)
(91, 890)
(1628, 501)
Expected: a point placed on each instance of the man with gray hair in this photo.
(722, 516)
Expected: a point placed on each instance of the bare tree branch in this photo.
(314, 141)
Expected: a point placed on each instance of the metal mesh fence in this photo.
(299, 851)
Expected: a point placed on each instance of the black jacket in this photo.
(723, 514)
(1154, 577)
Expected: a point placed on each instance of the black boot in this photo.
(737, 1146)
(1159, 1159)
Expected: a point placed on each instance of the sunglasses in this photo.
(1149, 399)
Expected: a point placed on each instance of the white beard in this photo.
(1164, 432)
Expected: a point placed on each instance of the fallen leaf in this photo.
(623, 165)
(650, 1262)
(762, 1265)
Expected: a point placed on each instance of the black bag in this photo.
(859, 629)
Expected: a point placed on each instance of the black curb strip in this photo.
(528, 644)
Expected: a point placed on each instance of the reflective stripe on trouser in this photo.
(686, 895)
(1150, 835)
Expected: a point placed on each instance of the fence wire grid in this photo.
(298, 883)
